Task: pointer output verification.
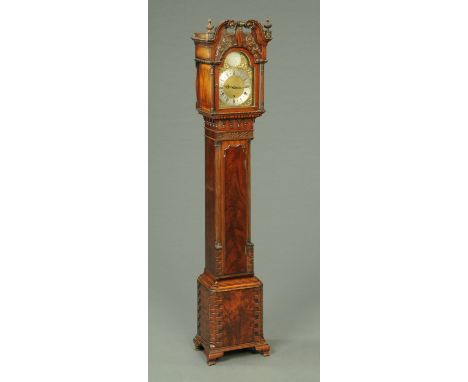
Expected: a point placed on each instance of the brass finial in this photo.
(267, 27)
(209, 26)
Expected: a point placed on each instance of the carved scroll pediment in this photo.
(232, 33)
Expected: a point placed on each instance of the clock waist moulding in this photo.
(229, 62)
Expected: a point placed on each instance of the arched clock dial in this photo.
(235, 81)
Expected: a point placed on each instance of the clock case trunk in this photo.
(230, 296)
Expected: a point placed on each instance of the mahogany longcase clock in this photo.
(229, 87)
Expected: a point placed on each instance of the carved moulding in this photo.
(219, 258)
(228, 135)
(229, 124)
(250, 257)
(233, 115)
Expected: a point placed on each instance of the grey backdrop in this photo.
(285, 193)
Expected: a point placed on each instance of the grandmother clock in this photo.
(229, 88)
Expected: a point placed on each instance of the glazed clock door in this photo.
(235, 84)
(236, 209)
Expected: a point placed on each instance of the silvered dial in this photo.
(234, 85)
(235, 81)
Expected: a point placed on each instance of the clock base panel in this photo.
(230, 316)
